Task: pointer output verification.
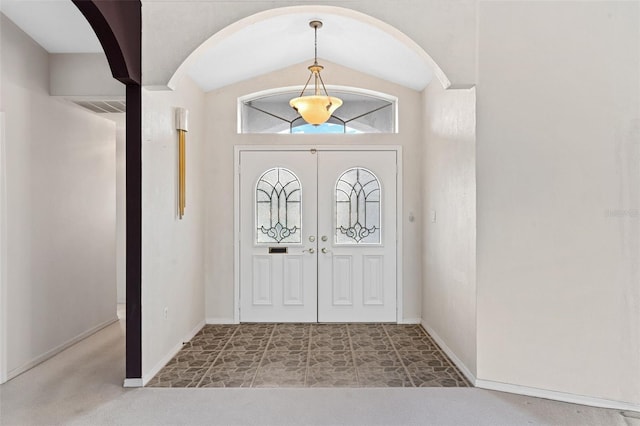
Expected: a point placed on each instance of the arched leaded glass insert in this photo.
(358, 198)
(278, 207)
(363, 111)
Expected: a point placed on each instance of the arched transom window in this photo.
(363, 111)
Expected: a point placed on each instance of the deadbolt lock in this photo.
(312, 238)
(324, 238)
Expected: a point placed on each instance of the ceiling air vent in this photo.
(101, 107)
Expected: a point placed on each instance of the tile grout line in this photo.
(446, 358)
(353, 356)
(217, 356)
(264, 354)
(406, 370)
(306, 371)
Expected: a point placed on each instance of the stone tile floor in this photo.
(310, 355)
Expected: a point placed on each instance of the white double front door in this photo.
(317, 236)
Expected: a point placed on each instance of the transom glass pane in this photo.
(362, 112)
(278, 207)
(358, 208)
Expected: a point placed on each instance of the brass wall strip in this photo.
(182, 173)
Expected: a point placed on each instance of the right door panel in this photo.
(357, 228)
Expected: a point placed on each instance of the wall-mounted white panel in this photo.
(342, 280)
(372, 283)
(293, 291)
(261, 280)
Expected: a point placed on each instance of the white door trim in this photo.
(236, 209)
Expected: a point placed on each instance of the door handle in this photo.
(325, 251)
(311, 251)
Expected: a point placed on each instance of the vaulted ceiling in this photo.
(286, 40)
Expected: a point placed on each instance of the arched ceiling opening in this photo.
(278, 38)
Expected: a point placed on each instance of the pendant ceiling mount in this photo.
(317, 108)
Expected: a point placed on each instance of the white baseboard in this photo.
(132, 383)
(410, 321)
(55, 351)
(452, 356)
(525, 390)
(557, 396)
(220, 321)
(172, 352)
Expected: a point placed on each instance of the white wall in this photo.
(87, 76)
(121, 210)
(60, 211)
(83, 74)
(172, 249)
(222, 136)
(121, 167)
(449, 238)
(558, 166)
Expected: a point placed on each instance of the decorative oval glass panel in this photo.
(278, 207)
(358, 198)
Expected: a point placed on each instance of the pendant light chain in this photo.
(315, 62)
(315, 55)
(313, 108)
(315, 59)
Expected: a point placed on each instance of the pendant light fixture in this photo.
(317, 108)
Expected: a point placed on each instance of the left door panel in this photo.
(278, 229)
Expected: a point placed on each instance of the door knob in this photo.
(310, 251)
(325, 251)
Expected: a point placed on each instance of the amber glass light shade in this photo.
(315, 109)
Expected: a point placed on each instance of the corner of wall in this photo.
(451, 354)
(146, 377)
(449, 218)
